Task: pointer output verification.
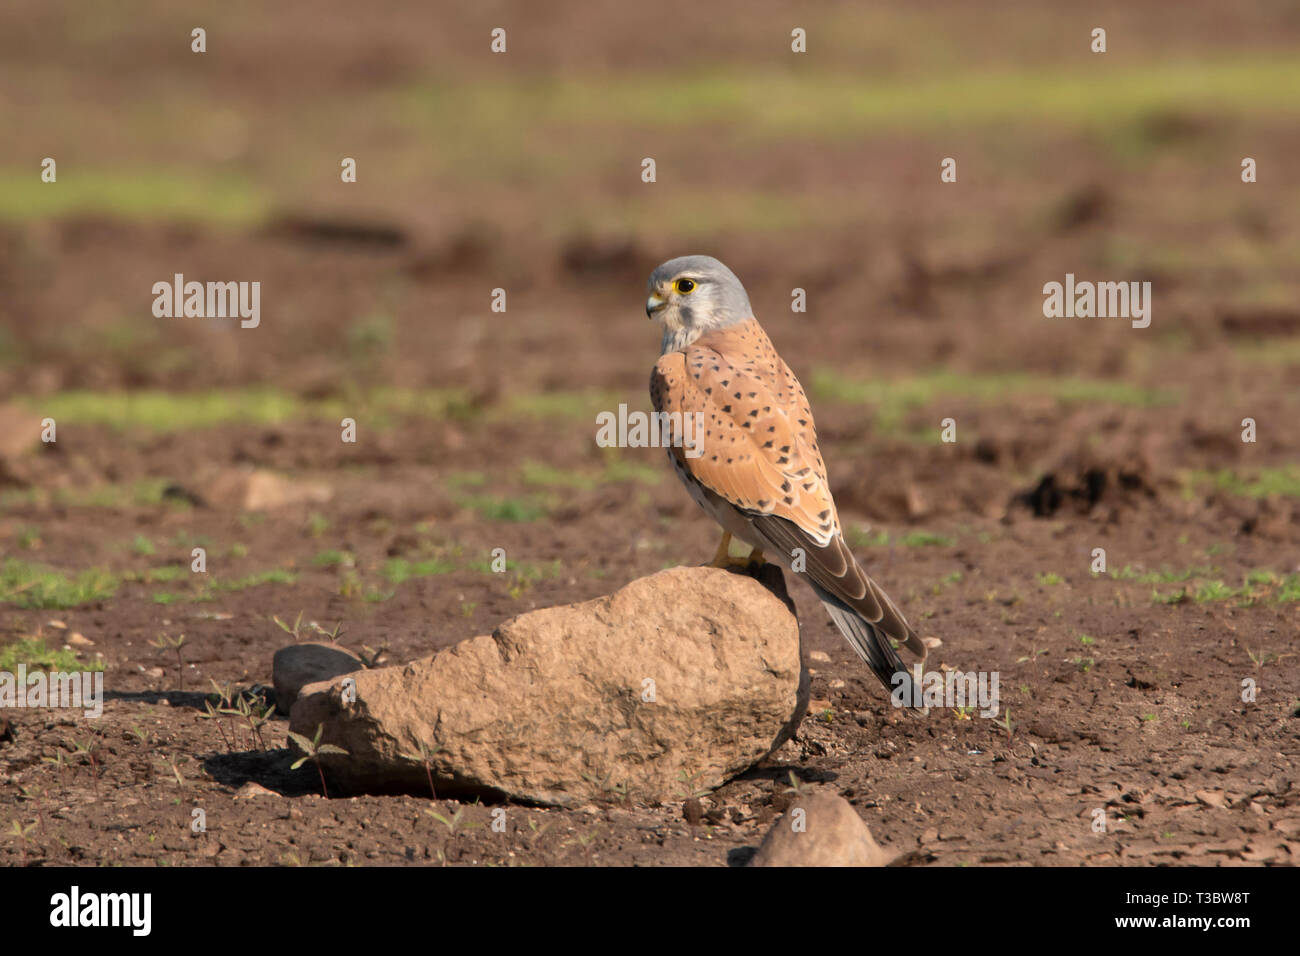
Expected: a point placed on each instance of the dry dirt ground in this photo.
(1124, 692)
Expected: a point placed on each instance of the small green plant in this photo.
(371, 657)
(690, 788)
(1049, 579)
(142, 546)
(313, 750)
(293, 631)
(423, 755)
(176, 771)
(617, 791)
(23, 835)
(332, 635)
(90, 751)
(1261, 659)
(1033, 655)
(454, 822)
(165, 643)
(245, 710)
(214, 714)
(1087, 641)
(60, 761)
(1006, 724)
(797, 786)
(32, 795)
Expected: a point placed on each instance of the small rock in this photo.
(820, 829)
(296, 666)
(154, 672)
(254, 489)
(821, 657)
(77, 639)
(693, 811)
(20, 431)
(1210, 798)
(252, 789)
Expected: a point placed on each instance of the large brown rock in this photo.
(667, 687)
(820, 829)
(296, 666)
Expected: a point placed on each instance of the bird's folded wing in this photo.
(758, 447)
(758, 451)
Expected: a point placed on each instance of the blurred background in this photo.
(522, 171)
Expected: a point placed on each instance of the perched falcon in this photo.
(756, 468)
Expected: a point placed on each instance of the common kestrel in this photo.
(756, 468)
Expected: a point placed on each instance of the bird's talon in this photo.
(722, 559)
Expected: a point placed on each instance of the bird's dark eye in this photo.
(684, 286)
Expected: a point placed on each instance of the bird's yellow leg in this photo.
(722, 559)
(755, 559)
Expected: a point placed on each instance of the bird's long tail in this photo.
(873, 647)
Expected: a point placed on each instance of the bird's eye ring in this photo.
(684, 286)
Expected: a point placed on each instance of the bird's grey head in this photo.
(691, 295)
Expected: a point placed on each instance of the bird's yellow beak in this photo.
(653, 305)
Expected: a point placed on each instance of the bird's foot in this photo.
(724, 559)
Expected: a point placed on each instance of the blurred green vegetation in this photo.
(201, 195)
(163, 411)
(778, 105)
(523, 130)
(893, 399)
(1259, 483)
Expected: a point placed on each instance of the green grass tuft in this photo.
(505, 509)
(398, 570)
(926, 539)
(33, 653)
(36, 586)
